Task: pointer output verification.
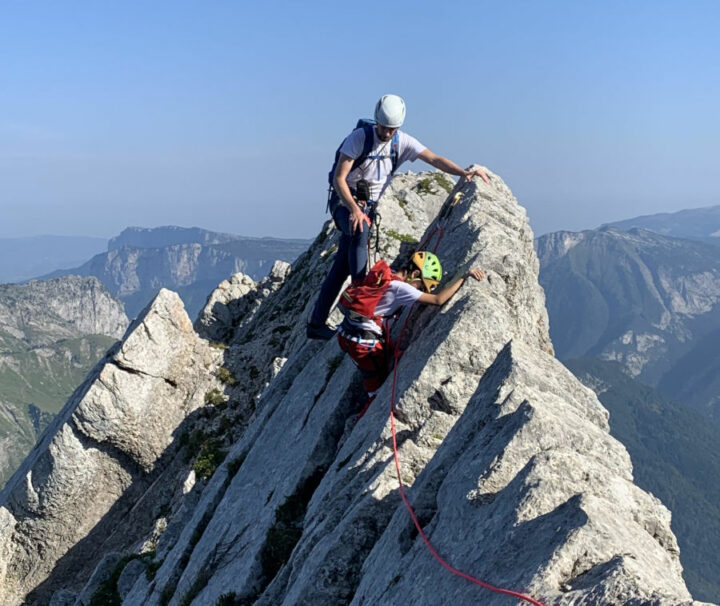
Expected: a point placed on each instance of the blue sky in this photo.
(226, 115)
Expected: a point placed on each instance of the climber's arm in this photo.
(449, 166)
(442, 297)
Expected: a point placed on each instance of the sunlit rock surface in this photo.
(506, 456)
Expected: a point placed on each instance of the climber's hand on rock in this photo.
(476, 273)
(469, 174)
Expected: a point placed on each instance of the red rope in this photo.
(434, 553)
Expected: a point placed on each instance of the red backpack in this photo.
(358, 301)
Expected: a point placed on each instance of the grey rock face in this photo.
(41, 312)
(528, 474)
(217, 318)
(51, 334)
(101, 574)
(63, 598)
(109, 435)
(231, 303)
(500, 447)
(129, 577)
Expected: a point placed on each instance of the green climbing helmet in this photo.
(430, 268)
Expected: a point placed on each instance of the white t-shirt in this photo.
(378, 165)
(398, 294)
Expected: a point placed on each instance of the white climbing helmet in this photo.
(390, 111)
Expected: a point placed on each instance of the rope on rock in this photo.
(398, 353)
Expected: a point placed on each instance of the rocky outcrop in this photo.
(675, 455)
(51, 334)
(530, 475)
(502, 446)
(506, 457)
(235, 301)
(110, 434)
(42, 312)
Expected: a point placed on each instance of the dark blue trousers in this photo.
(350, 259)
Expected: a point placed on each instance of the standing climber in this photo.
(365, 164)
(368, 305)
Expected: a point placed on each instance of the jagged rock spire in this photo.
(110, 434)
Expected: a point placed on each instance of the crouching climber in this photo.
(369, 305)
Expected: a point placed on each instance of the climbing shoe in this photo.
(324, 332)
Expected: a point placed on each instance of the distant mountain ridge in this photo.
(645, 300)
(701, 224)
(41, 312)
(192, 261)
(158, 237)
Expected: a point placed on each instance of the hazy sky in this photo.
(226, 115)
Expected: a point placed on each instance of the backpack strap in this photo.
(395, 151)
(367, 147)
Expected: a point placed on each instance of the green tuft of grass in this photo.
(398, 236)
(214, 397)
(224, 375)
(208, 459)
(330, 252)
(425, 186)
(443, 181)
(200, 582)
(193, 442)
(167, 593)
(226, 424)
(152, 569)
(226, 599)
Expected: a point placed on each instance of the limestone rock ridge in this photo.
(506, 456)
